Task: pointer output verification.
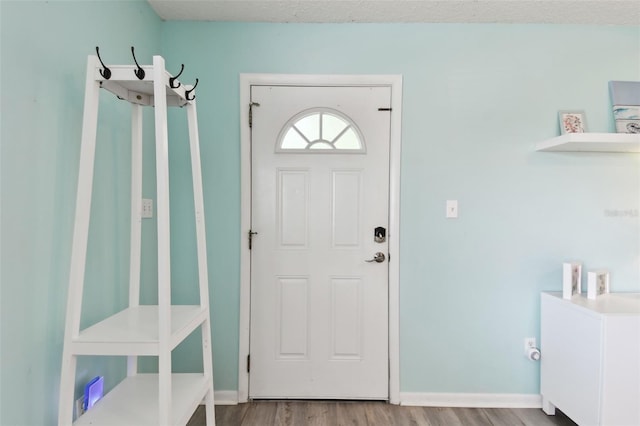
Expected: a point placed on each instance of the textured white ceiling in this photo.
(610, 12)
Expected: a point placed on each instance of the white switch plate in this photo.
(147, 208)
(452, 209)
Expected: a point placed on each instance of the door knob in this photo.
(378, 258)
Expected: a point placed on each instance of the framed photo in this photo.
(571, 279)
(627, 118)
(625, 98)
(597, 284)
(572, 122)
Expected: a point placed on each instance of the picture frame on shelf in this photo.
(571, 279)
(628, 126)
(627, 118)
(572, 121)
(597, 284)
(625, 98)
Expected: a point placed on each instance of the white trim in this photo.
(471, 400)
(417, 399)
(395, 82)
(225, 397)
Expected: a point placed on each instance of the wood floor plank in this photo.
(294, 413)
(410, 416)
(472, 417)
(439, 416)
(320, 413)
(380, 413)
(351, 414)
(535, 417)
(347, 413)
(199, 417)
(225, 414)
(260, 414)
(285, 413)
(502, 417)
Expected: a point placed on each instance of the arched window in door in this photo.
(320, 131)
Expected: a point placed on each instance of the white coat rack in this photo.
(164, 398)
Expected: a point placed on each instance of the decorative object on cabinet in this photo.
(625, 97)
(165, 398)
(597, 284)
(571, 279)
(572, 122)
(589, 368)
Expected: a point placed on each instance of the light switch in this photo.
(452, 209)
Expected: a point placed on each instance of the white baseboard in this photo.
(225, 397)
(471, 400)
(432, 399)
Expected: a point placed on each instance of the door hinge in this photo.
(251, 105)
(251, 234)
(248, 363)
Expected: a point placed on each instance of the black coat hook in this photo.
(187, 92)
(106, 72)
(139, 72)
(173, 79)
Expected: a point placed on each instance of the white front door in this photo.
(320, 211)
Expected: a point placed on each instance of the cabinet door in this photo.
(621, 370)
(571, 344)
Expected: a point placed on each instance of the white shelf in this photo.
(124, 84)
(592, 142)
(134, 401)
(134, 331)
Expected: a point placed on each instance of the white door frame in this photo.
(395, 82)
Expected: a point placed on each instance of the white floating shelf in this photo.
(592, 142)
(134, 401)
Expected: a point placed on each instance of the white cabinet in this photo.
(590, 367)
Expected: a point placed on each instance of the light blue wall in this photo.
(476, 99)
(44, 46)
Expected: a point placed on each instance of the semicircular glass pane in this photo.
(332, 126)
(309, 126)
(348, 140)
(320, 129)
(320, 145)
(293, 140)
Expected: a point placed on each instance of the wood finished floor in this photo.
(342, 413)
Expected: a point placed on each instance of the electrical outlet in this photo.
(529, 342)
(147, 208)
(79, 406)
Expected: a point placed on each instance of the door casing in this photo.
(393, 81)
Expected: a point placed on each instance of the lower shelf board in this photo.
(135, 401)
(134, 331)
